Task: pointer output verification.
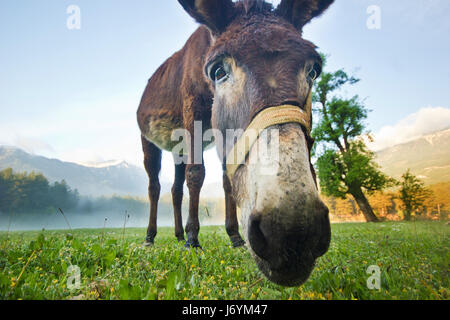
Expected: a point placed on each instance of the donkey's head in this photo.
(258, 60)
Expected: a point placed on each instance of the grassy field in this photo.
(413, 259)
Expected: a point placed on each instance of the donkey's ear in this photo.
(300, 12)
(215, 14)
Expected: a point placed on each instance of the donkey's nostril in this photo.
(256, 237)
(323, 222)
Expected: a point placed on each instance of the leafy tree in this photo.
(63, 196)
(23, 192)
(345, 164)
(6, 183)
(413, 193)
(35, 195)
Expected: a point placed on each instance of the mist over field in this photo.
(91, 213)
(77, 220)
(80, 220)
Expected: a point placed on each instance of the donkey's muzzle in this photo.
(286, 252)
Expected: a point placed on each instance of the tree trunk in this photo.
(407, 215)
(364, 205)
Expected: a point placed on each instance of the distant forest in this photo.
(32, 192)
(32, 195)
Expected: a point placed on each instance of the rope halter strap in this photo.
(266, 118)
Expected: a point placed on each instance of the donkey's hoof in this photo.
(192, 244)
(148, 244)
(181, 239)
(238, 243)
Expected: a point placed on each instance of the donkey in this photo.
(246, 60)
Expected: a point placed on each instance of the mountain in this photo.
(104, 179)
(428, 158)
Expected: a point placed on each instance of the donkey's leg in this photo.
(231, 222)
(177, 199)
(152, 163)
(195, 175)
(193, 113)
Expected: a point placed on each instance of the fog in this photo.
(56, 221)
(81, 220)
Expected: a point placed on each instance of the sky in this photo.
(72, 94)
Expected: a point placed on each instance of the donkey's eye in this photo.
(218, 73)
(314, 73)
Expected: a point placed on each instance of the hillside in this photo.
(428, 157)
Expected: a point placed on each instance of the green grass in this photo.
(413, 260)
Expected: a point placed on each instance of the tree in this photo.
(6, 183)
(63, 196)
(413, 194)
(32, 193)
(345, 164)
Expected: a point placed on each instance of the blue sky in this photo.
(73, 94)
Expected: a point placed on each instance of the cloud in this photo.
(26, 143)
(32, 145)
(425, 121)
